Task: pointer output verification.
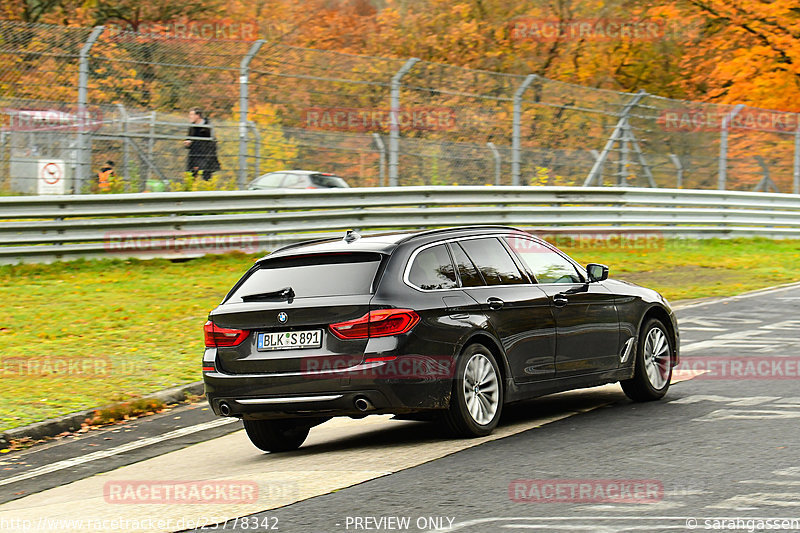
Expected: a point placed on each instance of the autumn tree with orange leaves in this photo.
(715, 51)
(710, 50)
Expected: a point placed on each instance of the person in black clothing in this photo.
(202, 154)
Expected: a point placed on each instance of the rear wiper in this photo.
(286, 293)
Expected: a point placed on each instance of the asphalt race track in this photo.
(719, 453)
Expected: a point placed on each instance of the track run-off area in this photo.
(721, 447)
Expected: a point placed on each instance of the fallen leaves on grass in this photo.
(127, 410)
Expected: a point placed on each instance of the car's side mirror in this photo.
(597, 272)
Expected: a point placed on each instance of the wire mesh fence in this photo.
(75, 102)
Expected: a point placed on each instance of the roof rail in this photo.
(303, 243)
(459, 228)
(405, 239)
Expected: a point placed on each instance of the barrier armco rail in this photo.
(49, 228)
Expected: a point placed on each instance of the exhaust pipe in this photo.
(362, 404)
(224, 409)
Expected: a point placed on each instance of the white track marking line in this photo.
(759, 292)
(103, 454)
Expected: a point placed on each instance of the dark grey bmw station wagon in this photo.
(452, 323)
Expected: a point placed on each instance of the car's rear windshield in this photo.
(321, 180)
(334, 274)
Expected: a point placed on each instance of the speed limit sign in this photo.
(51, 176)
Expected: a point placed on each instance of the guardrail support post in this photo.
(516, 128)
(722, 176)
(244, 74)
(496, 155)
(394, 121)
(382, 162)
(84, 150)
(617, 134)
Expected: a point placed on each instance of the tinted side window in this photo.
(493, 261)
(432, 269)
(470, 277)
(545, 264)
(321, 180)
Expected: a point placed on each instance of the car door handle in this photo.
(560, 300)
(495, 303)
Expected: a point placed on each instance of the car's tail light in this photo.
(380, 323)
(217, 337)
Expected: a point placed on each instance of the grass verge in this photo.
(90, 333)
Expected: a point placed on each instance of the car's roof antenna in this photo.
(351, 236)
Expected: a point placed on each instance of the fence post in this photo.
(619, 132)
(516, 127)
(622, 176)
(766, 184)
(496, 155)
(244, 74)
(257, 141)
(394, 124)
(678, 170)
(796, 187)
(5, 174)
(382, 163)
(126, 152)
(722, 176)
(84, 150)
(151, 146)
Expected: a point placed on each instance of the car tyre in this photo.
(477, 396)
(276, 435)
(653, 365)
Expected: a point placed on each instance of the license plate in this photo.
(289, 340)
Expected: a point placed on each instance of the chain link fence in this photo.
(72, 99)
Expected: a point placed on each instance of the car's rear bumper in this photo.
(294, 395)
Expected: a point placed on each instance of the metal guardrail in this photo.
(43, 229)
